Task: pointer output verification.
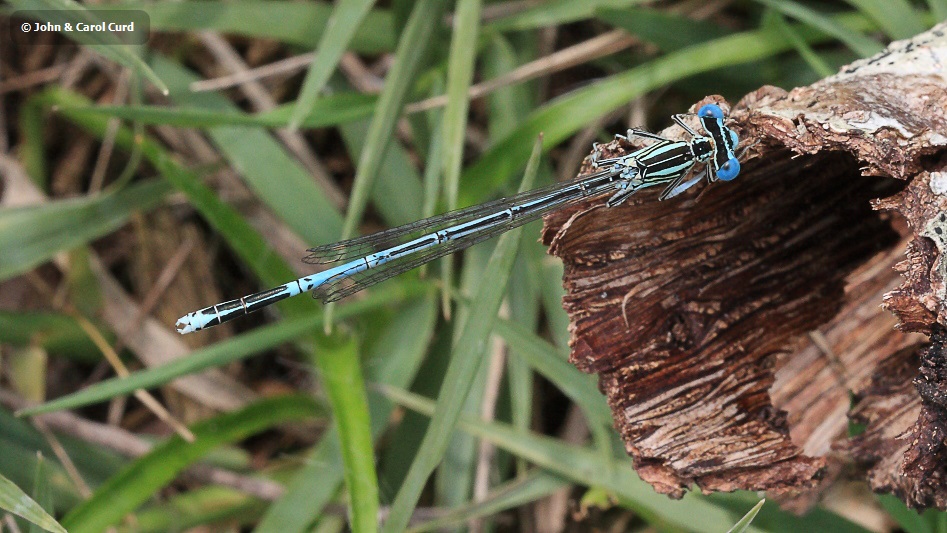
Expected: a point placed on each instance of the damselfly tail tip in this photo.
(207, 317)
(185, 324)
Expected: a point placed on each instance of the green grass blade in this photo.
(222, 353)
(330, 110)
(398, 187)
(433, 166)
(555, 13)
(553, 365)
(42, 493)
(455, 474)
(394, 360)
(564, 116)
(521, 491)
(275, 176)
(32, 235)
(463, 56)
(552, 293)
(95, 464)
(15, 501)
(507, 107)
(138, 482)
(412, 47)
(669, 31)
(858, 42)
(18, 463)
(248, 244)
(339, 31)
(744, 523)
(937, 520)
(938, 9)
(587, 467)
(460, 66)
(341, 374)
(67, 11)
(31, 150)
(435, 157)
(463, 366)
(524, 301)
(311, 488)
(909, 519)
(213, 507)
(773, 18)
(290, 22)
(771, 518)
(897, 18)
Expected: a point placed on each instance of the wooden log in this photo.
(730, 326)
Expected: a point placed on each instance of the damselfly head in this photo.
(726, 163)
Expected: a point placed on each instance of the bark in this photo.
(729, 328)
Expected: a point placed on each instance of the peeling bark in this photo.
(728, 328)
(918, 302)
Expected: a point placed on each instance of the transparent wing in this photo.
(376, 242)
(342, 286)
(528, 206)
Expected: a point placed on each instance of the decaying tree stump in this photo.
(730, 327)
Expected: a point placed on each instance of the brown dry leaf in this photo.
(729, 330)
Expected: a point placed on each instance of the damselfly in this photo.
(374, 258)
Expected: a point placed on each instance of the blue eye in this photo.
(710, 110)
(729, 170)
(734, 140)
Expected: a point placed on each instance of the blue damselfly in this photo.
(374, 258)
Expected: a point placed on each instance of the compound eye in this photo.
(710, 111)
(734, 140)
(729, 170)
